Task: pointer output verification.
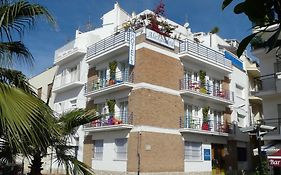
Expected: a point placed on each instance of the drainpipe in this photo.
(138, 151)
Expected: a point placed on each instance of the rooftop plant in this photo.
(153, 21)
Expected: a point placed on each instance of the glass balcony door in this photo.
(102, 77)
(124, 111)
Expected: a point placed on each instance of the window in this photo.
(241, 119)
(196, 111)
(73, 104)
(49, 93)
(242, 154)
(193, 151)
(98, 149)
(39, 92)
(124, 111)
(121, 149)
(239, 91)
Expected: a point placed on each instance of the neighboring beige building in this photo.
(43, 83)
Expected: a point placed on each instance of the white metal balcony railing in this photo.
(188, 46)
(64, 80)
(196, 123)
(108, 43)
(111, 119)
(102, 83)
(206, 89)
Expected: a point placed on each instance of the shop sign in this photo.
(160, 39)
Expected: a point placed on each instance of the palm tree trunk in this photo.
(36, 164)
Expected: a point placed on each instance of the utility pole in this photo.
(258, 130)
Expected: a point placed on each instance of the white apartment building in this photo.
(72, 72)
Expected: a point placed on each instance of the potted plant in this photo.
(111, 106)
(205, 124)
(112, 72)
(202, 77)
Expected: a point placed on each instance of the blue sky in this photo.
(202, 15)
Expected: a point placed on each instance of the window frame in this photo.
(190, 157)
(125, 147)
(98, 151)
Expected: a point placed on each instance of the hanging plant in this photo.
(202, 77)
(111, 106)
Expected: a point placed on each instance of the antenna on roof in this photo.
(186, 23)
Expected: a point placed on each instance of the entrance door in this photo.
(218, 162)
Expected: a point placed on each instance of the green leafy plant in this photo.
(263, 15)
(202, 77)
(111, 105)
(205, 112)
(112, 69)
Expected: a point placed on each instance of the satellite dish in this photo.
(186, 25)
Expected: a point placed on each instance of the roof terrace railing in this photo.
(207, 53)
(108, 43)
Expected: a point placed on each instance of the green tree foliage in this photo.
(264, 15)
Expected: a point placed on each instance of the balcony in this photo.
(66, 82)
(198, 53)
(108, 47)
(68, 52)
(276, 134)
(205, 91)
(268, 85)
(193, 124)
(117, 121)
(101, 86)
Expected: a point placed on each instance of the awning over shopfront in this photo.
(269, 148)
(273, 152)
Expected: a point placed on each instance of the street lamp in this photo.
(259, 130)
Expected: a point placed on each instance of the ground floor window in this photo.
(193, 151)
(98, 149)
(121, 148)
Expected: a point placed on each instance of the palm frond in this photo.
(71, 120)
(16, 79)
(6, 153)
(25, 120)
(11, 52)
(16, 16)
(64, 157)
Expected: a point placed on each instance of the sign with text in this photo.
(207, 154)
(275, 162)
(132, 48)
(160, 39)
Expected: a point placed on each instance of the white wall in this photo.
(199, 166)
(241, 104)
(109, 162)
